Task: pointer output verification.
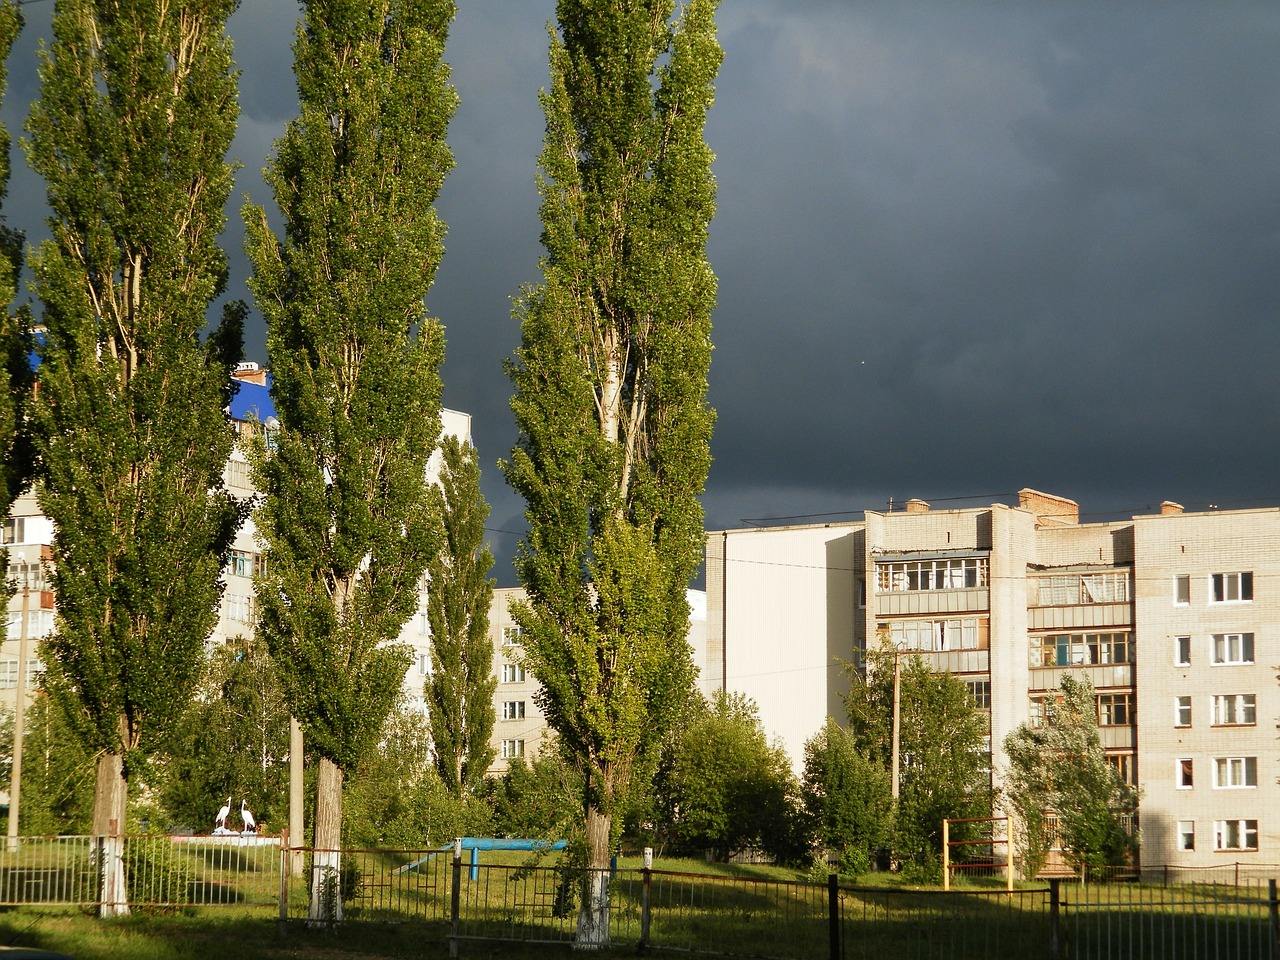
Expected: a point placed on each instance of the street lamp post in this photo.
(897, 722)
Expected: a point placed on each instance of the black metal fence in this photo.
(1230, 912)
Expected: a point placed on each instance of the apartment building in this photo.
(28, 535)
(520, 727)
(1171, 616)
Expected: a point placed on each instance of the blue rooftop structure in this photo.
(252, 401)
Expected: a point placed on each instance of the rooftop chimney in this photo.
(1170, 509)
(917, 506)
(1050, 510)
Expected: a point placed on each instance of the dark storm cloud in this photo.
(961, 248)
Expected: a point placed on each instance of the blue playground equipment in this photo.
(476, 844)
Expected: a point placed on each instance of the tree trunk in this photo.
(326, 861)
(110, 805)
(593, 914)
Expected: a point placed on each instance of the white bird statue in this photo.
(249, 823)
(221, 819)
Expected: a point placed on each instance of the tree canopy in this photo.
(346, 515)
(944, 761)
(1059, 768)
(611, 382)
(136, 113)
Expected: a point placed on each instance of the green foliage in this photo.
(57, 774)
(724, 788)
(944, 764)
(136, 113)
(1060, 767)
(346, 515)
(610, 386)
(539, 800)
(395, 799)
(15, 372)
(847, 797)
(232, 741)
(459, 693)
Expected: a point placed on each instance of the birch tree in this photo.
(136, 112)
(346, 517)
(610, 393)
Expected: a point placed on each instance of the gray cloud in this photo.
(961, 248)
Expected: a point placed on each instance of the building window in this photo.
(1182, 590)
(13, 530)
(862, 593)
(1115, 709)
(259, 565)
(1235, 709)
(1235, 772)
(513, 710)
(512, 673)
(953, 574)
(241, 564)
(1231, 587)
(1077, 588)
(1081, 649)
(1182, 651)
(512, 749)
(1122, 764)
(240, 609)
(1233, 648)
(960, 633)
(424, 664)
(1235, 834)
(1182, 712)
(980, 690)
(1185, 773)
(510, 635)
(1186, 834)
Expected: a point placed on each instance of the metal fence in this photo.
(1195, 914)
(161, 871)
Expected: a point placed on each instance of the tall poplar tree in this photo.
(347, 519)
(15, 370)
(136, 112)
(459, 693)
(611, 381)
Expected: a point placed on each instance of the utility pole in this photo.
(897, 722)
(19, 705)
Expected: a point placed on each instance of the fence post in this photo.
(284, 877)
(1274, 904)
(455, 898)
(833, 914)
(1055, 920)
(645, 888)
(946, 855)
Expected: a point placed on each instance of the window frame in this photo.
(513, 709)
(1222, 585)
(1225, 656)
(1237, 705)
(1235, 773)
(1115, 704)
(513, 749)
(1244, 829)
(513, 673)
(1184, 773)
(1182, 590)
(1186, 831)
(1182, 650)
(1182, 711)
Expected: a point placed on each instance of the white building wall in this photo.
(782, 606)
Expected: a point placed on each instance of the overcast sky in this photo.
(962, 248)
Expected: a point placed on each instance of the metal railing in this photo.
(161, 871)
(1180, 913)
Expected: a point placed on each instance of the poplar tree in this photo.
(610, 401)
(347, 520)
(15, 371)
(459, 693)
(136, 112)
